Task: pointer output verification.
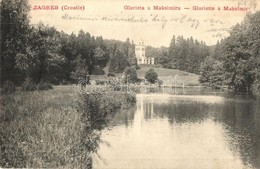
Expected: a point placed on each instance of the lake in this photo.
(192, 130)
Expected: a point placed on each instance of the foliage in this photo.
(81, 69)
(235, 60)
(151, 76)
(184, 54)
(216, 76)
(98, 71)
(122, 55)
(43, 54)
(28, 85)
(110, 74)
(15, 31)
(38, 131)
(211, 73)
(49, 53)
(256, 87)
(206, 69)
(241, 54)
(118, 62)
(44, 86)
(8, 87)
(153, 53)
(98, 55)
(130, 75)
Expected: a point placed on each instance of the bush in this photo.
(100, 82)
(44, 86)
(28, 85)
(98, 71)
(256, 87)
(138, 67)
(8, 87)
(151, 76)
(111, 74)
(160, 82)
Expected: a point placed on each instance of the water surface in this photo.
(191, 131)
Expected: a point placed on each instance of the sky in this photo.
(112, 19)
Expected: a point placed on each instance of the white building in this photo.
(140, 55)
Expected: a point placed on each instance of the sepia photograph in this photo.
(130, 84)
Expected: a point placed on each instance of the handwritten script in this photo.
(163, 20)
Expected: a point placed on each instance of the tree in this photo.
(81, 69)
(99, 55)
(15, 30)
(235, 60)
(206, 69)
(46, 44)
(130, 75)
(69, 51)
(85, 49)
(211, 73)
(184, 54)
(118, 61)
(151, 75)
(131, 58)
(102, 49)
(172, 53)
(241, 53)
(216, 76)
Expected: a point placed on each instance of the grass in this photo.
(50, 129)
(168, 74)
(189, 79)
(38, 128)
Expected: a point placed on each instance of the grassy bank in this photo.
(168, 74)
(164, 74)
(54, 128)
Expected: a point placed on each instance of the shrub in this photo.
(98, 107)
(151, 76)
(256, 87)
(8, 87)
(138, 67)
(98, 71)
(160, 82)
(28, 85)
(100, 82)
(158, 66)
(44, 86)
(111, 74)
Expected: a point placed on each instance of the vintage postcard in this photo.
(130, 84)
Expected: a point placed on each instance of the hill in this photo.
(168, 74)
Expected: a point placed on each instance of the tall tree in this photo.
(238, 56)
(238, 61)
(206, 69)
(15, 31)
(118, 61)
(46, 43)
(172, 53)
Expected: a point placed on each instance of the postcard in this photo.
(130, 84)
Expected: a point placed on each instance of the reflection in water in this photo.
(182, 132)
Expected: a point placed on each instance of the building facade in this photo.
(140, 55)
